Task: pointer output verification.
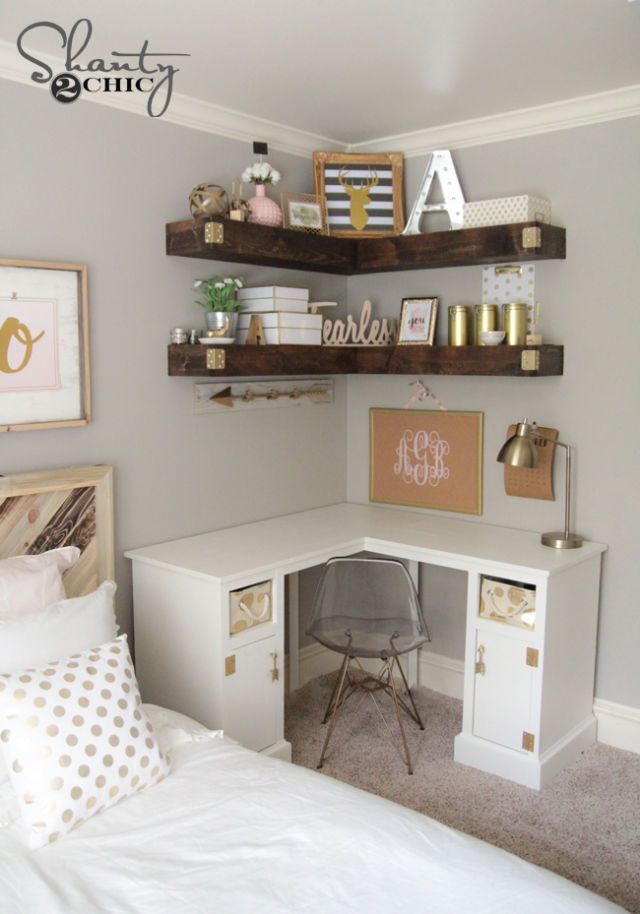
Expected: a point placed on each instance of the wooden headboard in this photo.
(70, 507)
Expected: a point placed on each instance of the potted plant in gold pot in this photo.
(218, 299)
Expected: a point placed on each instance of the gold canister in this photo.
(514, 323)
(458, 325)
(485, 317)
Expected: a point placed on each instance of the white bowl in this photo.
(492, 337)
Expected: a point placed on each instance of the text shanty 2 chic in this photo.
(155, 75)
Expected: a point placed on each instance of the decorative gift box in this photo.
(506, 210)
(273, 298)
(293, 336)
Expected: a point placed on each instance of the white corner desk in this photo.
(528, 688)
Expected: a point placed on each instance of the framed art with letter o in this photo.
(426, 459)
(44, 345)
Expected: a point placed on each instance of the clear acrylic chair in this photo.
(367, 607)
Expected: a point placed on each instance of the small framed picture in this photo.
(418, 321)
(305, 213)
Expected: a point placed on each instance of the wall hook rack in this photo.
(255, 395)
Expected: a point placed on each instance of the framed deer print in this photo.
(426, 459)
(44, 345)
(363, 192)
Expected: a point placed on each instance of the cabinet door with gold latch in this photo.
(253, 693)
(504, 691)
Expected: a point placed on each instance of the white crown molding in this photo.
(573, 112)
(183, 110)
(204, 116)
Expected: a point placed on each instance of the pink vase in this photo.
(262, 210)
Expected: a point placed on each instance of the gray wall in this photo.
(589, 303)
(88, 184)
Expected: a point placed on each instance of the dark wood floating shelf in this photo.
(260, 361)
(244, 242)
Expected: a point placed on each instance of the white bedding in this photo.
(230, 831)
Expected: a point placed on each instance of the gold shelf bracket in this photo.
(216, 359)
(532, 237)
(214, 233)
(530, 360)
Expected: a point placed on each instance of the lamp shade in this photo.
(519, 450)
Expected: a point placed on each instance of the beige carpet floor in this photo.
(585, 825)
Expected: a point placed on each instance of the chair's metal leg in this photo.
(417, 717)
(398, 715)
(335, 689)
(336, 711)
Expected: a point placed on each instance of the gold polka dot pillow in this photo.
(75, 738)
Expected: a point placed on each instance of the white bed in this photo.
(232, 831)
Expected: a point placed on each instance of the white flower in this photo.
(265, 170)
(218, 285)
(228, 281)
(197, 283)
(275, 176)
(239, 283)
(246, 176)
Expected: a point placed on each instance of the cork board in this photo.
(426, 459)
(530, 483)
(70, 507)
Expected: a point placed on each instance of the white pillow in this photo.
(63, 628)
(75, 738)
(29, 583)
(34, 639)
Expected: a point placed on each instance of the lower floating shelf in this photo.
(260, 361)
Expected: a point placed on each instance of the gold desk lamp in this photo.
(520, 451)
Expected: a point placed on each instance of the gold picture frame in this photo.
(417, 324)
(348, 181)
(44, 345)
(426, 459)
(304, 213)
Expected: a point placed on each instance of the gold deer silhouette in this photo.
(359, 196)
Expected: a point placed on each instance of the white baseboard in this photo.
(618, 725)
(442, 674)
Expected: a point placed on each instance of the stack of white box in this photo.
(284, 314)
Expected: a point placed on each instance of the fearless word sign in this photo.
(363, 332)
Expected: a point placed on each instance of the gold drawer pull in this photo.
(275, 672)
(480, 667)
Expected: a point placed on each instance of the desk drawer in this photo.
(250, 606)
(509, 602)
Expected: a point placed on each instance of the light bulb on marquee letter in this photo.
(440, 163)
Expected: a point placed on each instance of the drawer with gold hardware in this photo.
(250, 606)
(509, 602)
